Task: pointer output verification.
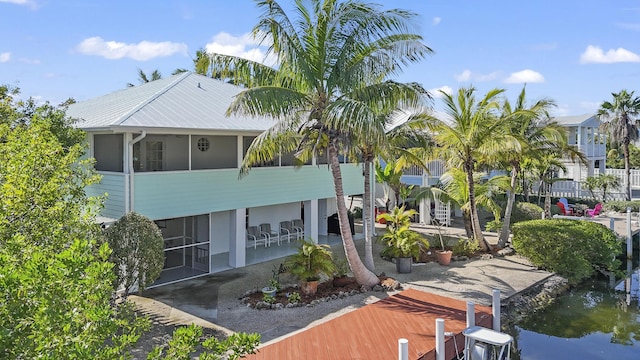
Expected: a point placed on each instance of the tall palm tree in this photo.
(620, 119)
(530, 126)
(471, 134)
(335, 60)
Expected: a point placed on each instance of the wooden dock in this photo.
(372, 332)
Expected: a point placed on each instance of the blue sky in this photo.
(574, 52)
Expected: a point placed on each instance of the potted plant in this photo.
(400, 241)
(444, 255)
(274, 284)
(340, 278)
(311, 261)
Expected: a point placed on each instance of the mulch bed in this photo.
(326, 290)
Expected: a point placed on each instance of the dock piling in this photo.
(495, 309)
(440, 339)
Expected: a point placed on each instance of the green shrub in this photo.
(494, 225)
(573, 249)
(621, 206)
(524, 211)
(465, 247)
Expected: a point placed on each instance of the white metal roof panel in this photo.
(579, 120)
(183, 101)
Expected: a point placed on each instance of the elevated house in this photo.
(584, 134)
(167, 150)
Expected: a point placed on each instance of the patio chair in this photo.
(285, 231)
(595, 211)
(265, 229)
(254, 234)
(563, 210)
(298, 226)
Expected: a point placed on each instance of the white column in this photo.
(240, 149)
(237, 238)
(311, 219)
(629, 235)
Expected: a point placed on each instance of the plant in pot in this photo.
(444, 255)
(274, 284)
(340, 278)
(400, 241)
(308, 263)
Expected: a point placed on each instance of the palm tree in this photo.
(143, 78)
(472, 133)
(535, 134)
(619, 119)
(331, 81)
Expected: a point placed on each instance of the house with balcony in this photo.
(167, 150)
(583, 133)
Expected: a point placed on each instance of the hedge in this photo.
(573, 249)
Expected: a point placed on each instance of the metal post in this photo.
(471, 314)
(440, 339)
(495, 309)
(629, 237)
(403, 349)
(612, 223)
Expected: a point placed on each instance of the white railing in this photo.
(436, 169)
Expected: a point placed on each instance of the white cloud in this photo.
(436, 91)
(5, 57)
(524, 76)
(436, 20)
(142, 51)
(595, 54)
(30, 3)
(244, 46)
(468, 75)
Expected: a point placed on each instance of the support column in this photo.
(237, 238)
(311, 219)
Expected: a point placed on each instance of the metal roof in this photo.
(579, 120)
(184, 101)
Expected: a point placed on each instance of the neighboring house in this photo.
(585, 135)
(167, 150)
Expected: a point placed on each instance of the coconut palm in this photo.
(471, 133)
(143, 78)
(620, 119)
(535, 134)
(334, 62)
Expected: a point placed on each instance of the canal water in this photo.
(592, 321)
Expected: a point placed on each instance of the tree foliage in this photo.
(55, 276)
(619, 118)
(573, 249)
(185, 341)
(137, 251)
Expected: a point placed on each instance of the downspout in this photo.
(142, 135)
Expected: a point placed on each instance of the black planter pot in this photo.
(403, 265)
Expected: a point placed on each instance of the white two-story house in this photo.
(167, 150)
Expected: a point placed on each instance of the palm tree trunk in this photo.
(504, 233)
(627, 168)
(362, 275)
(475, 220)
(366, 216)
(466, 217)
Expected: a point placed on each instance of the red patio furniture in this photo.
(563, 210)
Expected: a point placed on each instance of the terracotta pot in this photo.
(444, 257)
(309, 287)
(342, 281)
